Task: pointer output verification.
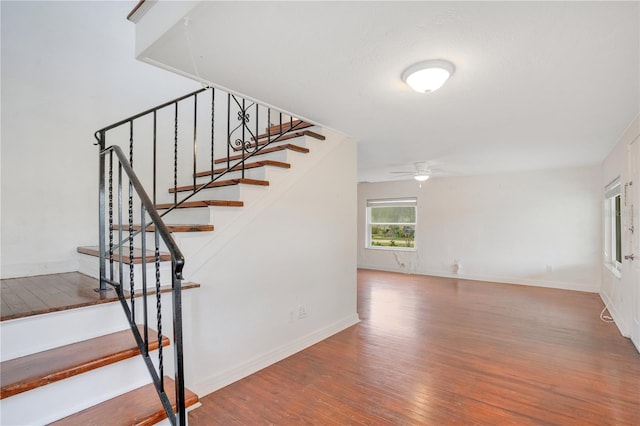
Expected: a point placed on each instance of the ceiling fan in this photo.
(421, 173)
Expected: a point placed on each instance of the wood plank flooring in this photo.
(439, 351)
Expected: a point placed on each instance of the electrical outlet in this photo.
(302, 311)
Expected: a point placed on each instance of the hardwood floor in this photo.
(438, 351)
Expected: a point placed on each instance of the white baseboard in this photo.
(560, 285)
(244, 369)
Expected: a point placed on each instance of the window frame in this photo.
(613, 227)
(390, 202)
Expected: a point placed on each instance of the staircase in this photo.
(67, 377)
(67, 351)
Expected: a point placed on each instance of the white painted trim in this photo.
(618, 318)
(142, 10)
(560, 285)
(239, 371)
(17, 270)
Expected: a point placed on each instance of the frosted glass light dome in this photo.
(428, 76)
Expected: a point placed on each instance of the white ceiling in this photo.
(537, 85)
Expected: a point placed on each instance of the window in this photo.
(613, 227)
(391, 224)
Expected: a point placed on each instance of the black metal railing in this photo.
(168, 152)
(120, 255)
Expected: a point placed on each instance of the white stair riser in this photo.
(212, 215)
(60, 399)
(276, 155)
(90, 265)
(24, 336)
(231, 192)
(255, 173)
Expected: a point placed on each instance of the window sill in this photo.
(615, 271)
(392, 248)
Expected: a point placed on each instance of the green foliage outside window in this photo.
(393, 226)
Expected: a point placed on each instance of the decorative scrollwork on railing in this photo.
(243, 136)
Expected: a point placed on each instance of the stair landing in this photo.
(23, 297)
(27, 296)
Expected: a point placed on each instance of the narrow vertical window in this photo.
(613, 227)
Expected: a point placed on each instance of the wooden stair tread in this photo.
(263, 138)
(172, 228)
(219, 184)
(43, 294)
(288, 126)
(276, 148)
(253, 165)
(39, 369)
(137, 254)
(139, 407)
(205, 203)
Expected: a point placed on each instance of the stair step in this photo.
(287, 126)
(172, 228)
(267, 151)
(43, 294)
(222, 183)
(263, 139)
(205, 203)
(253, 165)
(137, 254)
(32, 371)
(138, 407)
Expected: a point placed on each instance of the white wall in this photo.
(538, 228)
(68, 69)
(300, 249)
(617, 292)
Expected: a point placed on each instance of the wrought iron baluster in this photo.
(155, 155)
(229, 130)
(175, 156)
(195, 138)
(243, 119)
(120, 226)
(213, 128)
(143, 235)
(159, 314)
(177, 338)
(268, 126)
(111, 215)
(131, 255)
(255, 137)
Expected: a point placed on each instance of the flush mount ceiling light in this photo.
(427, 76)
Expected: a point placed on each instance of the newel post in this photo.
(101, 209)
